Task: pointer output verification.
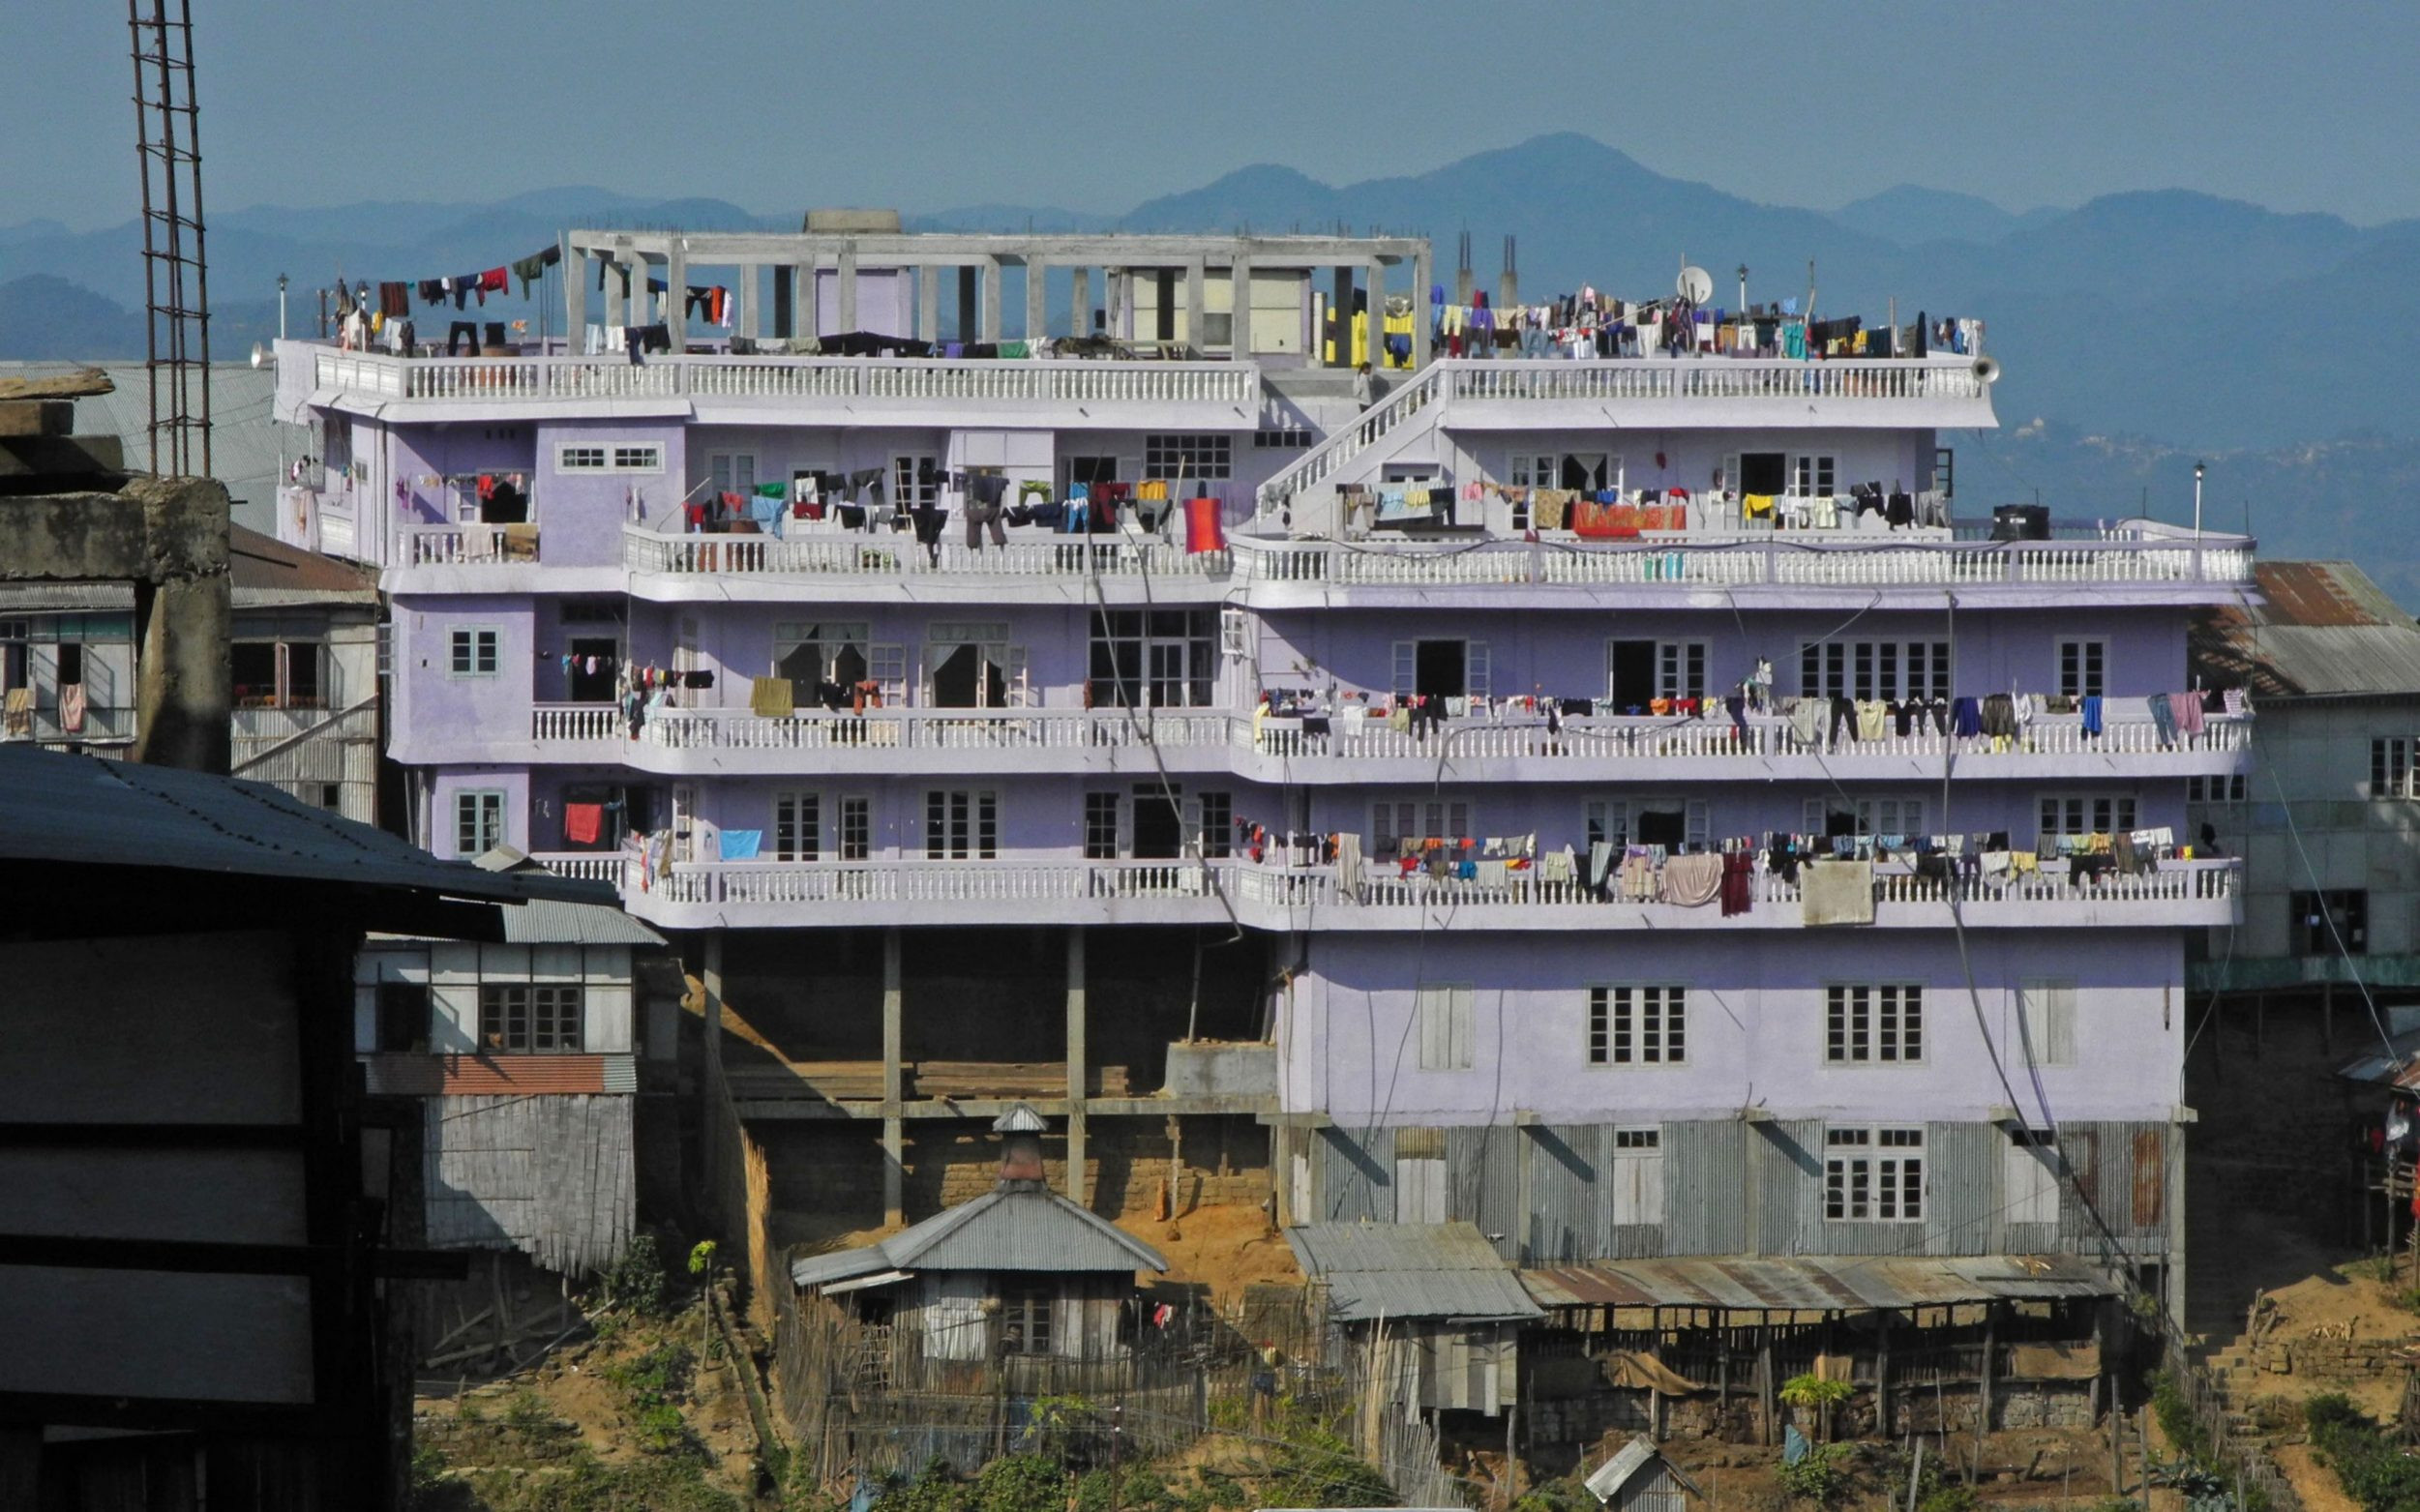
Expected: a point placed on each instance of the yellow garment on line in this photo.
(1756, 506)
(1155, 489)
(771, 698)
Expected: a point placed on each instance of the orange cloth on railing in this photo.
(582, 823)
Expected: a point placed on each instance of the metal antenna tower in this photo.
(176, 279)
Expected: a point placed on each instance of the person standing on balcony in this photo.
(1366, 389)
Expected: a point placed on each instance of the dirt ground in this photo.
(1225, 1249)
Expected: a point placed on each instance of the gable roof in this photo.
(1606, 1480)
(1410, 1270)
(2320, 630)
(263, 566)
(1017, 1226)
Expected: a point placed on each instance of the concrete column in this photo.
(1340, 305)
(1075, 1065)
(1239, 308)
(1424, 275)
(1079, 308)
(968, 319)
(786, 300)
(677, 295)
(710, 1085)
(1195, 303)
(1036, 299)
(894, 1127)
(182, 688)
(1377, 315)
(1116, 302)
(928, 303)
(617, 305)
(848, 287)
(576, 276)
(988, 320)
(751, 295)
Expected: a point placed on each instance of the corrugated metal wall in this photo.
(552, 1175)
(1732, 1188)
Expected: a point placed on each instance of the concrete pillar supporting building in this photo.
(1076, 1053)
(1080, 306)
(1424, 275)
(751, 292)
(1117, 301)
(894, 1127)
(1340, 305)
(1376, 280)
(617, 301)
(576, 276)
(988, 320)
(847, 278)
(966, 302)
(784, 300)
(928, 303)
(1036, 299)
(1196, 306)
(1239, 308)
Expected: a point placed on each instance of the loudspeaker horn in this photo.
(1986, 370)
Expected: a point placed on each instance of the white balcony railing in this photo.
(1718, 378)
(992, 731)
(896, 556)
(934, 882)
(1763, 559)
(495, 379)
(471, 545)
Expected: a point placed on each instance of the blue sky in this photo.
(1096, 104)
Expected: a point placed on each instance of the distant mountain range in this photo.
(2210, 324)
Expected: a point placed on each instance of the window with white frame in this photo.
(1392, 822)
(1027, 1318)
(1645, 822)
(1873, 1024)
(2086, 813)
(1430, 667)
(2395, 768)
(1637, 1175)
(1278, 438)
(731, 472)
(856, 828)
(2083, 668)
(797, 827)
(1874, 669)
(961, 824)
(531, 1017)
(1100, 826)
(1812, 475)
(1874, 1175)
(916, 478)
(1446, 1013)
(2230, 789)
(1589, 471)
(2046, 1010)
(478, 820)
(1218, 825)
(1679, 669)
(471, 652)
(1637, 1026)
(1864, 816)
(609, 457)
(1161, 659)
(1420, 1176)
(816, 651)
(2029, 1178)
(1187, 457)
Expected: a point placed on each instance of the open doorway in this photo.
(1158, 823)
(593, 669)
(1441, 669)
(1764, 472)
(1631, 674)
(965, 678)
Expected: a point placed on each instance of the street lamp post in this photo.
(2199, 469)
(280, 307)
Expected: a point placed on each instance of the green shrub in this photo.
(636, 1281)
(1139, 1489)
(1950, 1499)
(1823, 1476)
(1021, 1483)
(2176, 1417)
(2371, 1466)
(2333, 1409)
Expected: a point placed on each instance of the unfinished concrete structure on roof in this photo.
(70, 513)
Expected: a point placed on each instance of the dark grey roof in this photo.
(84, 810)
(2318, 629)
(1015, 1227)
(1410, 1270)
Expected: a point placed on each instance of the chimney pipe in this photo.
(1021, 1131)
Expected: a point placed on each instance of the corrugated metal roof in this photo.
(81, 810)
(244, 451)
(547, 922)
(262, 573)
(1409, 1270)
(1816, 1283)
(1019, 1228)
(1606, 1480)
(2320, 630)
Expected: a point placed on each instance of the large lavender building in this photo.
(1396, 832)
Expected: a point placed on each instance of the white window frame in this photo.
(2230, 788)
(1874, 816)
(855, 835)
(1679, 669)
(797, 830)
(905, 491)
(723, 471)
(968, 828)
(1478, 667)
(2030, 1177)
(1870, 1024)
(609, 457)
(830, 636)
(1866, 1174)
(2394, 769)
(1870, 670)
(1165, 455)
(1637, 1175)
(464, 648)
(485, 818)
(1814, 475)
(1421, 1192)
(1447, 819)
(544, 1018)
(1615, 820)
(2046, 1011)
(1104, 826)
(1445, 1014)
(2083, 668)
(1633, 1025)
(2086, 813)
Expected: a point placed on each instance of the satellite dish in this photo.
(1694, 285)
(261, 355)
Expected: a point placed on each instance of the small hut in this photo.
(1018, 1272)
(1638, 1478)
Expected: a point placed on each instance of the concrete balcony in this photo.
(825, 391)
(1353, 750)
(834, 894)
(1941, 393)
(834, 565)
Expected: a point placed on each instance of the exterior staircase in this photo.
(1383, 431)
